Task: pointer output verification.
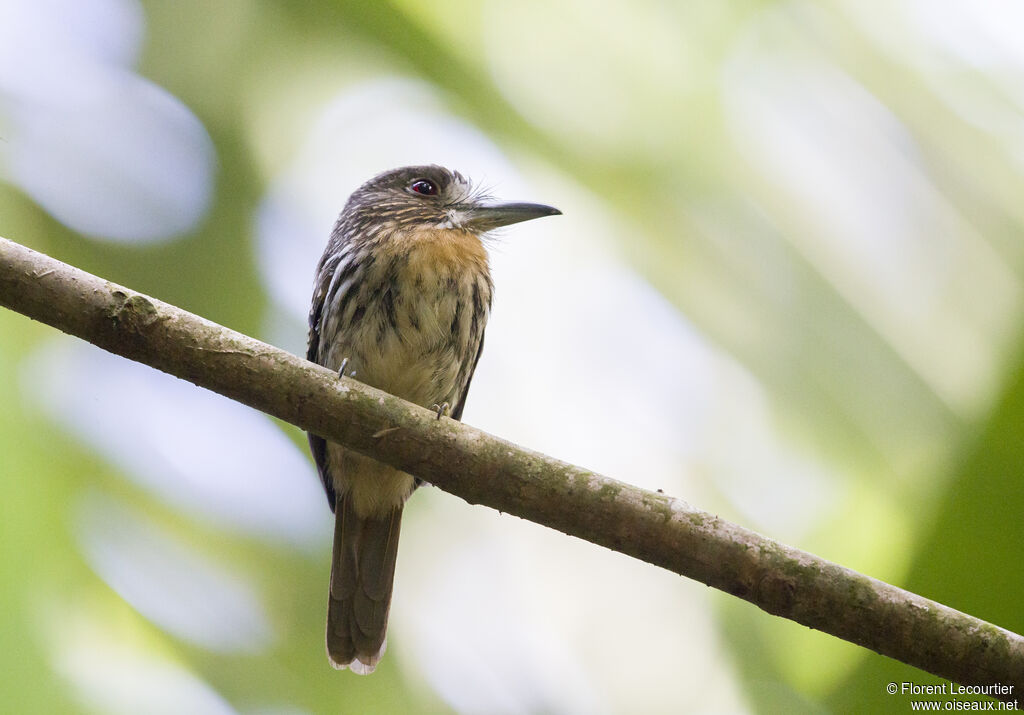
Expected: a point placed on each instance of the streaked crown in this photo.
(427, 197)
(412, 196)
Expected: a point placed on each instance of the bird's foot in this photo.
(341, 370)
(441, 409)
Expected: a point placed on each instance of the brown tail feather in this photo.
(362, 576)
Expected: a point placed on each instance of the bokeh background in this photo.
(787, 288)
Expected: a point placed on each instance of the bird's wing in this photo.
(461, 402)
(318, 445)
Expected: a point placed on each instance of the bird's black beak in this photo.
(482, 217)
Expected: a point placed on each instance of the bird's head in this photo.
(428, 198)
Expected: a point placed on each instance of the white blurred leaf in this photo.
(105, 151)
(205, 454)
(177, 588)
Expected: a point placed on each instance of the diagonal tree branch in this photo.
(483, 469)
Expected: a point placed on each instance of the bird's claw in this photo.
(341, 370)
(441, 409)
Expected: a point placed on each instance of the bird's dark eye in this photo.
(423, 186)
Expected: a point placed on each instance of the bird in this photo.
(401, 298)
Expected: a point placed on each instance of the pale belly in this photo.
(419, 362)
(417, 367)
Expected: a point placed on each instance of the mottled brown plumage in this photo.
(401, 299)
